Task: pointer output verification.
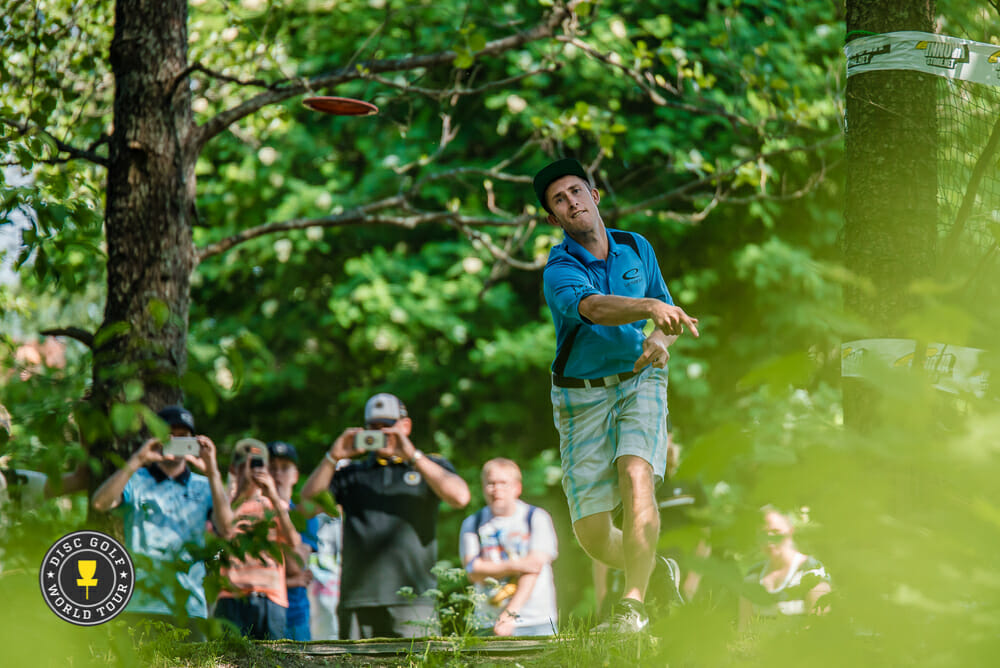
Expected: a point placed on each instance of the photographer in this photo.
(390, 496)
(165, 506)
(257, 600)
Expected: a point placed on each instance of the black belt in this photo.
(606, 381)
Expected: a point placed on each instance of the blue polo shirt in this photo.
(572, 273)
(161, 516)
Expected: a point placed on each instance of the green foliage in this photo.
(290, 333)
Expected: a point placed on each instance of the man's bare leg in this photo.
(634, 549)
(601, 539)
(640, 524)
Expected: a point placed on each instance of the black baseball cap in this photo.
(177, 416)
(557, 170)
(282, 450)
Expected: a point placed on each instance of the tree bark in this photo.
(149, 209)
(890, 221)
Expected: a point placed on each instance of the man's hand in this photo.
(149, 452)
(506, 623)
(671, 319)
(654, 351)
(400, 444)
(207, 460)
(343, 446)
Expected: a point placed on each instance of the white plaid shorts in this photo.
(597, 425)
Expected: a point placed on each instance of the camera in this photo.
(369, 439)
(256, 462)
(178, 446)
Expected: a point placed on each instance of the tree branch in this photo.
(78, 333)
(199, 67)
(364, 215)
(284, 90)
(440, 94)
(73, 151)
(477, 236)
(642, 79)
(685, 189)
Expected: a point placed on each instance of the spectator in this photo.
(324, 590)
(609, 382)
(284, 467)
(390, 498)
(165, 507)
(507, 549)
(794, 582)
(29, 489)
(256, 598)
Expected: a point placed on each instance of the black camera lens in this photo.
(256, 462)
(369, 440)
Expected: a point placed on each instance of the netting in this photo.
(968, 168)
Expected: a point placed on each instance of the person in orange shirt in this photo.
(255, 599)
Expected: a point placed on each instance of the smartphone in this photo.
(369, 439)
(178, 446)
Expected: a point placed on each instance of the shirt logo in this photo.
(631, 274)
(87, 578)
(411, 478)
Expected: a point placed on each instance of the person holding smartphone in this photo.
(255, 598)
(390, 495)
(165, 506)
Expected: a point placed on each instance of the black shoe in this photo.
(665, 583)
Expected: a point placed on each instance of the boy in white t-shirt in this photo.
(507, 549)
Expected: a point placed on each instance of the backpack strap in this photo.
(480, 518)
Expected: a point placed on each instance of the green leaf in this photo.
(197, 386)
(158, 311)
(111, 331)
(477, 41)
(125, 419)
(157, 427)
(134, 390)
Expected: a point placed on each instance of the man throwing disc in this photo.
(609, 381)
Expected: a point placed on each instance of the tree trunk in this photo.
(149, 209)
(890, 233)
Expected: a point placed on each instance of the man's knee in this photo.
(594, 534)
(635, 472)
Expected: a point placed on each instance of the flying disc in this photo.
(340, 106)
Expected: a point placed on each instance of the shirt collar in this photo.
(574, 248)
(159, 476)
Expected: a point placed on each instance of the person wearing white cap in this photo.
(390, 495)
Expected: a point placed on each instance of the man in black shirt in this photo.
(390, 495)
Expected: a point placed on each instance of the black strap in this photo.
(560, 364)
